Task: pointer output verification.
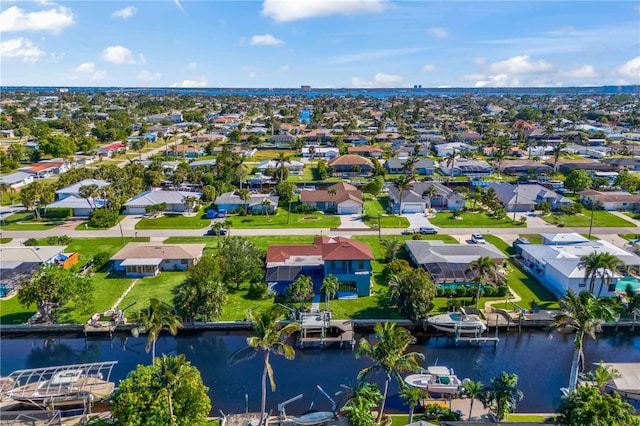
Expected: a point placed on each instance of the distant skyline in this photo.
(322, 43)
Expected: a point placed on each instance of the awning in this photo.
(140, 262)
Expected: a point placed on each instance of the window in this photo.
(167, 261)
(581, 285)
(184, 261)
(361, 265)
(612, 288)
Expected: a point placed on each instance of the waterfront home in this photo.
(74, 189)
(611, 200)
(567, 166)
(44, 169)
(621, 163)
(466, 167)
(423, 166)
(414, 199)
(148, 259)
(185, 151)
(231, 202)
(313, 151)
(347, 260)
(292, 165)
(342, 198)
(18, 263)
(525, 197)
(356, 140)
(174, 201)
(17, 179)
(449, 263)
(444, 149)
(209, 163)
(351, 164)
(282, 139)
(557, 266)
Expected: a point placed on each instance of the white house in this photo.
(148, 259)
(611, 200)
(320, 152)
(444, 149)
(79, 206)
(74, 190)
(173, 199)
(17, 179)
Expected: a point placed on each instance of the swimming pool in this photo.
(454, 286)
(625, 281)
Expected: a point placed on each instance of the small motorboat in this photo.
(460, 322)
(315, 418)
(437, 379)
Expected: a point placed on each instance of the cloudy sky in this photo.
(323, 43)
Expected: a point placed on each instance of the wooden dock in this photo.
(105, 322)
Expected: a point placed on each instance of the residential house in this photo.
(318, 135)
(466, 167)
(286, 139)
(567, 166)
(423, 166)
(44, 170)
(148, 259)
(366, 151)
(611, 200)
(231, 202)
(292, 165)
(351, 165)
(521, 167)
(444, 149)
(17, 179)
(525, 197)
(314, 151)
(202, 163)
(562, 238)
(81, 207)
(558, 268)
(621, 163)
(174, 201)
(74, 190)
(111, 149)
(414, 199)
(387, 137)
(468, 137)
(185, 151)
(356, 140)
(449, 263)
(342, 198)
(347, 260)
(18, 263)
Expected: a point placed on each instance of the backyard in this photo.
(24, 221)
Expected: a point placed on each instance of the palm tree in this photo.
(266, 204)
(170, 375)
(473, 390)
(4, 188)
(557, 151)
(330, 286)
(189, 201)
(591, 263)
(503, 394)
(245, 195)
(610, 263)
(486, 271)
(392, 247)
(388, 355)
(155, 318)
(90, 192)
(412, 397)
(430, 192)
(403, 183)
(282, 160)
(268, 337)
(582, 313)
(450, 161)
(227, 224)
(332, 193)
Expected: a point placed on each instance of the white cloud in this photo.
(121, 55)
(149, 76)
(520, 65)
(499, 80)
(439, 32)
(473, 77)
(265, 40)
(192, 65)
(85, 67)
(125, 13)
(631, 69)
(20, 48)
(379, 80)
(585, 71)
(54, 20)
(429, 68)
(252, 75)
(292, 10)
(284, 68)
(201, 82)
(375, 54)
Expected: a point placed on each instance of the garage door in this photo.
(349, 210)
(412, 207)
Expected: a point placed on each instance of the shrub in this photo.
(416, 237)
(489, 291)
(461, 291)
(454, 303)
(304, 208)
(59, 240)
(56, 213)
(103, 218)
(257, 291)
(31, 242)
(502, 291)
(100, 259)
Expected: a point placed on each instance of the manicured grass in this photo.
(12, 312)
(23, 221)
(523, 418)
(373, 208)
(630, 237)
(273, 154)
(401, 420)
(473, 220)
(533, 238)
(87, 248)
(298, 220)
(601, 218)
(5, 240)
(175, 221)
(308, 174)
(161, 287)
(238, 303)
(500, 244)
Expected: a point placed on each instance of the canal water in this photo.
(542, 364)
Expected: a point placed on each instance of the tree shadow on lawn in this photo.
(16, 318)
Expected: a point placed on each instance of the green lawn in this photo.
(238, 304)
(533, 238)
(308, 174)
(23, 221)
(87, 248)
(525, 418)
(12, 312)
(601, 218)
(298, 220)
(630, 237)
(161, 287)
(373, 208)
(5, 240)
(273, 154)
(500, 244)
(473, 220)
(175, 221)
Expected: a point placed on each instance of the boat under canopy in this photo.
(628, 384)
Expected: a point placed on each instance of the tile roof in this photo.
(350, 160)
(326, 248)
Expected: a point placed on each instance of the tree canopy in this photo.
(201, 297)
(240, 261)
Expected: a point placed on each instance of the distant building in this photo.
(305, 88)
(611, 200)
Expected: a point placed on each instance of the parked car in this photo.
(213, 231)
(478, 239)
(409, 231)
(428, 230)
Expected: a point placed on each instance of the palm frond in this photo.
(243, 354)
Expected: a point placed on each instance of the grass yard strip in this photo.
(161, 287)
(533, 238)
(238, 303)
(5, 240)
(280, 220)
(12, 312)
(630, 237)
(174, 221)
(601, 219)
(524, 418)
(87, 248)
(473, 220)
(500, 244)
(23, 221)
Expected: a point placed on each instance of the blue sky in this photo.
(323, 43)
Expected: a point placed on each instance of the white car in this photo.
(478, 239)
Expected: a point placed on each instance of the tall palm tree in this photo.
(592, 264)
(412, 397)
(388, 356)
(282, 160)
(486, 271)
(392, 247)
(557, 152)
(503, 394)
(269, 337)
(266, 204)
(429, 193)
(4, 188)
(403, 183)
(155, 318)
(330, 287)
(610, 263)
(170, 375)
(89, 193)
(582, 313)
(473, 390)
(450, 161)
(245, 195)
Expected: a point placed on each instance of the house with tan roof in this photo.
(148, 259)
(366, 151)
(351, 165)
(342, 198)
(611, 200)
(347, 260)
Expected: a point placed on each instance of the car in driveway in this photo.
(428, 230)
(478, 239)
(214, 231)
(409, 231)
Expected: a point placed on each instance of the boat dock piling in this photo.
(476, 337)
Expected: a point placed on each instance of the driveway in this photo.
(417, 220)
(352, 221)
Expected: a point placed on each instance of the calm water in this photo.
(541, 363)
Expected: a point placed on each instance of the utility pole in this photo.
(515, 208)
(379, 227)
(593, 209)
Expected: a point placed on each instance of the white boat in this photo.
(437, 379)
(460, 322)
(315, 418)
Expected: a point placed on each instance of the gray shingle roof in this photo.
(424, 252)
(150, 198)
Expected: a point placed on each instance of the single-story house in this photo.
(282, 139)
(558, 266)
(18, 263)
(44, 170)
(202, 163)
(611, 200)
(74, 190)
(525, 197)
(148, 259)
(343, 198)
(17, 179)
(275, 164)
(366, 151)
(173, 199)
(423, 166)
(187, 151)
(80, 206)
(450, 262)
(444, 149)
(562, 238)
(414, 199)
(520, 167)
(351, 164)
(620, 163)
(319, 152)
(347, 260)
(230, 201)
(356, 140)
(111, 149)
(466, 167)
